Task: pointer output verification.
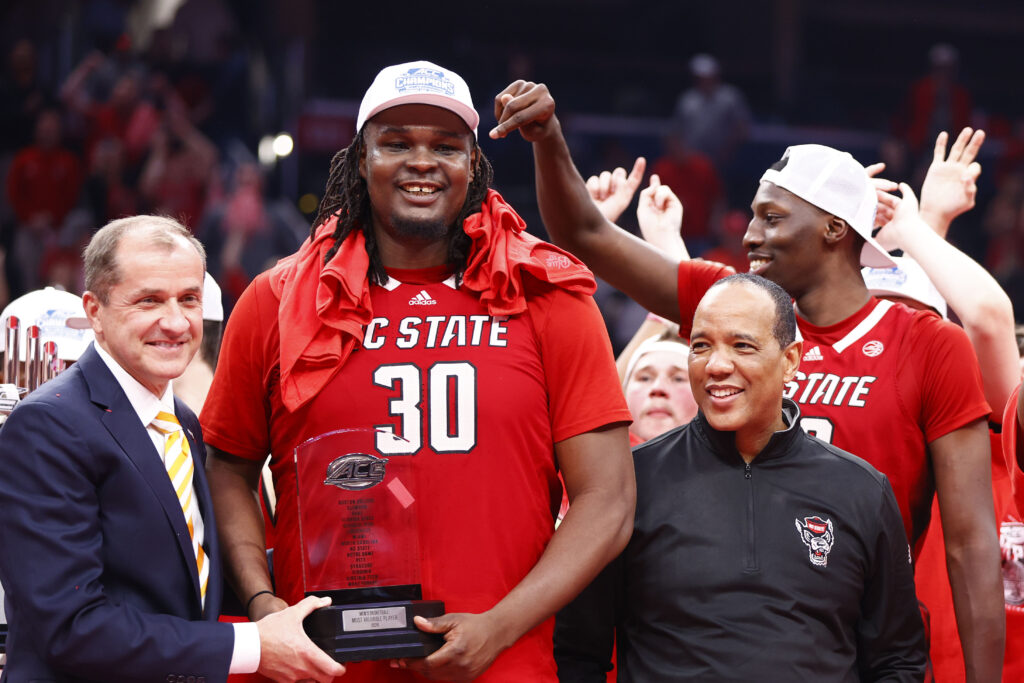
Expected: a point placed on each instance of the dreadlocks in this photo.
(347, 198)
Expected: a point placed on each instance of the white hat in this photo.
(60, 317)
(907, 279)
(213, 305)
(655, 343)
(418, 83)
(836, 183)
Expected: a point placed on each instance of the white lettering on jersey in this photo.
(410, 333)
(438, 331)
(370, 340)
(828, 389)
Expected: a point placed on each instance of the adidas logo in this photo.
(422, 299)
(813, 354)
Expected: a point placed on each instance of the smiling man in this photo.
(897, 387)
(758, 553)
(110, 559)
(420, 307)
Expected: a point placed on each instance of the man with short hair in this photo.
(110, 557)
(758, 552)
(898, 387)
(419, 306)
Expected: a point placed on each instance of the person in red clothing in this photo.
(42, 185)
(897, 387)
(419, 306)
(693, 178)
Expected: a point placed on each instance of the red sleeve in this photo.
(1009, 437)
(695, 277)
(236, 415)
(584, 393)
(951, 389)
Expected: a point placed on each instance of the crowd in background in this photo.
(171, 127)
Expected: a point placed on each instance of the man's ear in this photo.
(791, 356)
(91, 304)
(836, 229)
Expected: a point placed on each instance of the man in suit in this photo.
(108, 547)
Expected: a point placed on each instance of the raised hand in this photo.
(950, 187)
(660, 214)
(887, 202)
(524, 106)
(612, 191)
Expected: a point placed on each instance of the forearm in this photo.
(594, 531)
(981, 304)
(975, 579)
(240, 526)
(574, 222)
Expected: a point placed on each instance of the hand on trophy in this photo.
(472, 642)
(287, 654)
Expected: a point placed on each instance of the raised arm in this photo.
(571, 217)
(981, 304)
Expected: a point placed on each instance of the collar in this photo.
(724, 443)
(145, 404)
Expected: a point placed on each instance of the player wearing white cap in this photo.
(419, 304)
(898, 387)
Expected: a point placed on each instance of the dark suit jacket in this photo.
(95, 557)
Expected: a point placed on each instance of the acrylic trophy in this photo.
(360, 546)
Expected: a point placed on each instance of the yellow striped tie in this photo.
(178, 461)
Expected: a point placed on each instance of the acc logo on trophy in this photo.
(817, 535)
(355, 471)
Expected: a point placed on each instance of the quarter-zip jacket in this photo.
(794, 567)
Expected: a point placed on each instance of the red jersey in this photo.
(882, 384)
(480, 399)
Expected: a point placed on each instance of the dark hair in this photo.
(347, 198)
(209, 348)
(784, 326)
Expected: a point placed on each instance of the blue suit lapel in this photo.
(121, 420)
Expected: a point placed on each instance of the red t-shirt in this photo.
(881, 384)
(44, 180)
(483, 399)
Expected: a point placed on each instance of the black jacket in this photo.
(792, 568)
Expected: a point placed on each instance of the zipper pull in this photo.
(746, 471)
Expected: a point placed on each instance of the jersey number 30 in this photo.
(451, 401)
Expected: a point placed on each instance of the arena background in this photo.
(836, 73)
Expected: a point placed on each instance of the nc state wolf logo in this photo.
(817, 535)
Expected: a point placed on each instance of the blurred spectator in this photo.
(935, 103)
(110, 192)
(22, 98)
(714, 115)
(179, 170)
(244, 234)
(730, 249)
(42, 186)
(692, 176)
(125, 115)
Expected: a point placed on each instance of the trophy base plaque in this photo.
(374, 630)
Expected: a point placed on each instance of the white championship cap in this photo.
(418, 83)
(60, 317)
(213, 304)
(906, 279)
(836, 183)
